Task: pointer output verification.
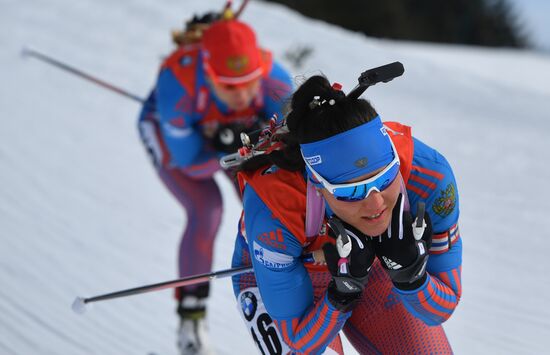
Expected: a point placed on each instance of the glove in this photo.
(349, 274)
(403, 247)
(227, 138)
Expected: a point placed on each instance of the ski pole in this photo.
(241, 8)
(47, 59)
(79, 304)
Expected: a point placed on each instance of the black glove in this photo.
(403, 255)
(227, 138)
(348, 279)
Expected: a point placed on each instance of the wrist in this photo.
(411, 286)
(411, 275)
(342, 301)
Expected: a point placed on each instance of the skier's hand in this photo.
(403, 247)
(227, 138)
(349, 277)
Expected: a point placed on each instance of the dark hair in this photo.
(308, 122)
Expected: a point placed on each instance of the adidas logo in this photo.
(349, 286)
(391, 264)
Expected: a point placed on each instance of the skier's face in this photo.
(372, 215)
(237, 97)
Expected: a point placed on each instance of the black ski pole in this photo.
(79, 304)
(47, 59)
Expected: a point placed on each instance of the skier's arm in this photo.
(149, 108)
(284, 283)
(437, 298)
(433, 182)
(183, 140)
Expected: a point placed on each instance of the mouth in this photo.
(240, 105)
(375, 217)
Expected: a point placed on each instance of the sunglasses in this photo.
(359, 190)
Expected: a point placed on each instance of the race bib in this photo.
(259, 323)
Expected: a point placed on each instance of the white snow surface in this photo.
(82, 212)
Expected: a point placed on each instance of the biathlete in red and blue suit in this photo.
(370, 176)
(206, 93)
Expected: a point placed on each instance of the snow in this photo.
(82, 212)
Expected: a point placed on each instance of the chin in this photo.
(373, 230)
(239, 106)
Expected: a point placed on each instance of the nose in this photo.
(241, 94)
(373, 203)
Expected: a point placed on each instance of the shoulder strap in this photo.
(284, 193)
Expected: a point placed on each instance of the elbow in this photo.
(438, 317)
(300, 343)
(184, 145)
(182, 160)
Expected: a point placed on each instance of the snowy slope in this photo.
(82, 212)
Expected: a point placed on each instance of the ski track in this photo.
(82, 212)
(34, 320)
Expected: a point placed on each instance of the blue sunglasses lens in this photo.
(361, 191)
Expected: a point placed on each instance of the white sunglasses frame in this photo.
(332, 187)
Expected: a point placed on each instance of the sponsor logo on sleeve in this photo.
(271, 259)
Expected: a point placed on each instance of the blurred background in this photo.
(494, 23)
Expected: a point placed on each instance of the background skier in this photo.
(217, 83)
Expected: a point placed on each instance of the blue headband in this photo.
(350, 154)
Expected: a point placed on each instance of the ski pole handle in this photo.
(419, 224)
(343, 245)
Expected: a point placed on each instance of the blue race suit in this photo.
(177, 124)
(386, 320)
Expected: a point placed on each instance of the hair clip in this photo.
(318, 102)
(315, 102)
